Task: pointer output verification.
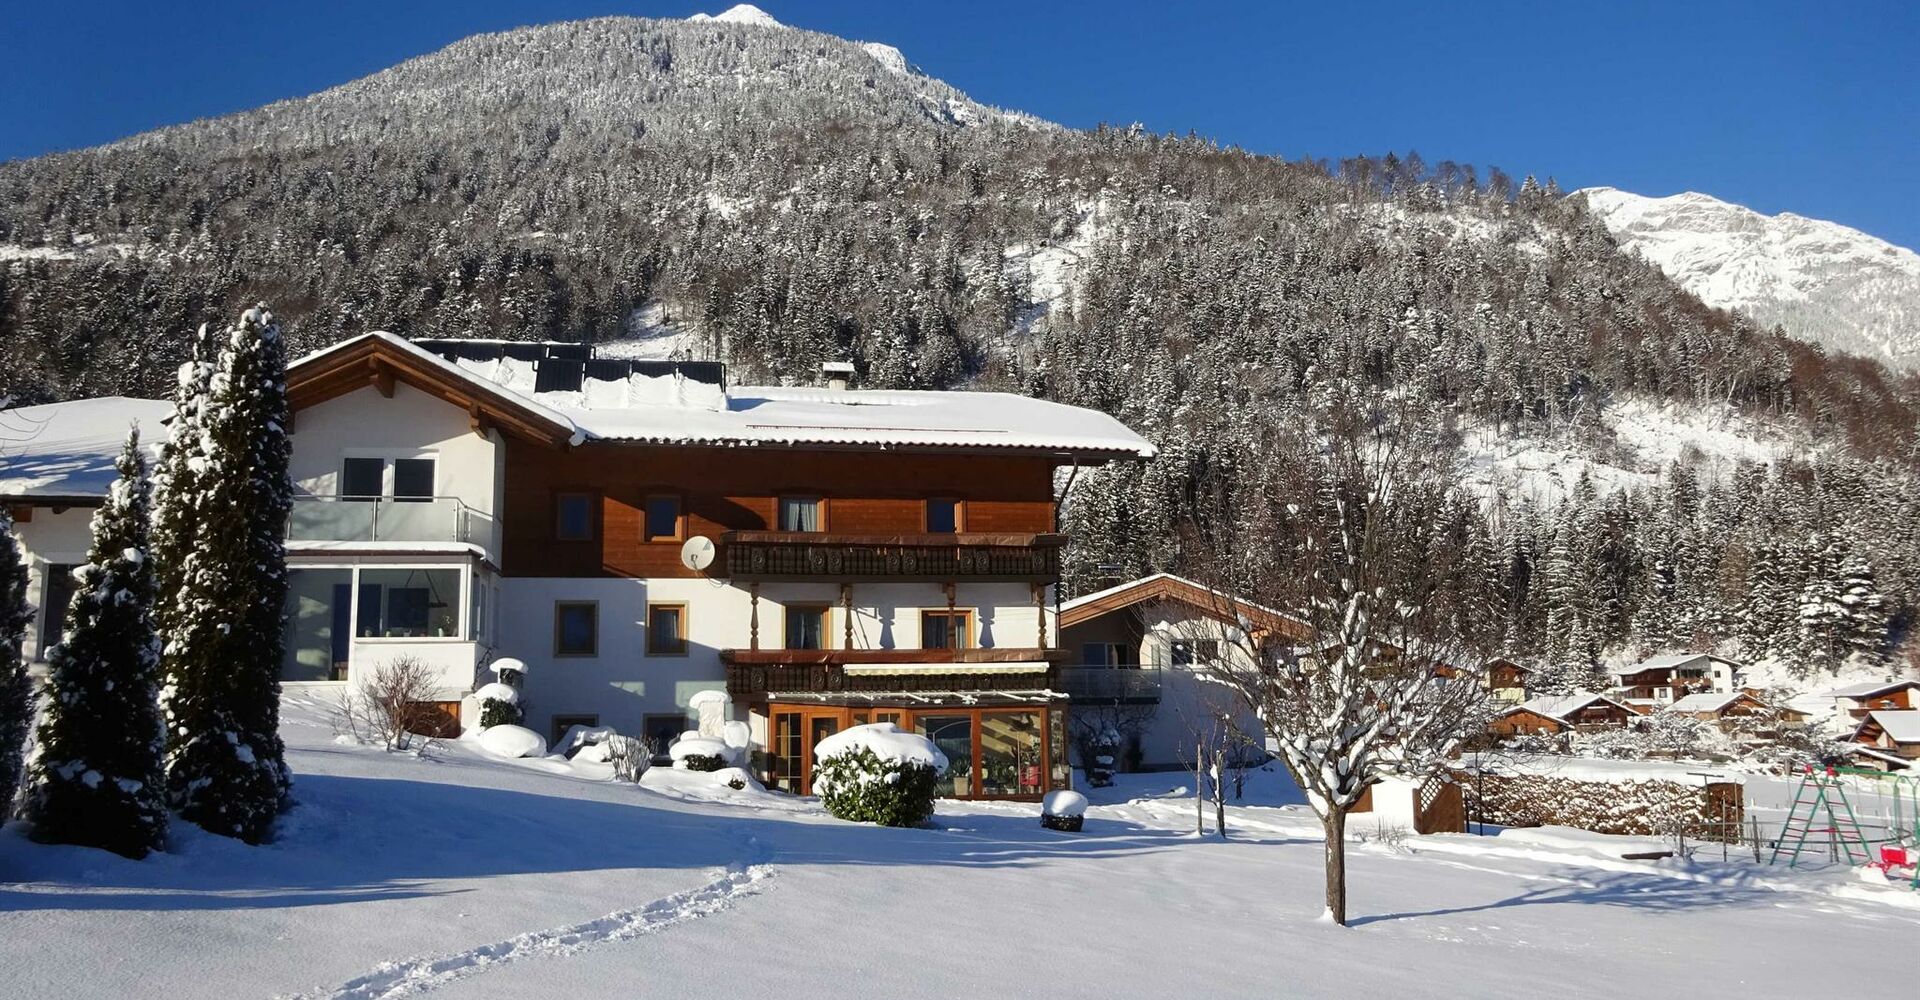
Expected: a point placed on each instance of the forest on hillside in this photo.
(788, 198)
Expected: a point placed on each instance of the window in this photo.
(576, 628)
(806, 626)
(319, 630)
(661, 730)
(562, 723)
(663, 518)
(1206, 650)
(666, 630)
(946, 630)
(573, 517)
(366, 478)
(1182, 651)
(363, 478)
(57, 594)
(800, 514)
(1109, 654)
(413, 479)
(943, 516)
(409, 604)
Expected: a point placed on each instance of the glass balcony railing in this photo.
(428, 519)
(1131, 685)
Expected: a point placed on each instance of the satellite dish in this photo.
(697, 553)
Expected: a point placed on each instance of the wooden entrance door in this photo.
(796, 731)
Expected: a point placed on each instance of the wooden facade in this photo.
(733, 491)
(1521, 722)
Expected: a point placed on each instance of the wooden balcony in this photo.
(784, 555)
(755, 673)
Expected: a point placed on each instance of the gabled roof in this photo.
(1562, 706)
(64, 452)
(1872, 689)
(616, 402)
(1671, 661)
(1708, 701)
(1168, 587)
(1902, 726)
(1884, 757)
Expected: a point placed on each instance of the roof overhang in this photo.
(381, 361)
(1167, 587)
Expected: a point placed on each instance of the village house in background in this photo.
(1548, 715)
(1663, 680)
(639, 532)
(1857, 700)
(1889, 740)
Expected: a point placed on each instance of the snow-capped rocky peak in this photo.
(741, 13)
(893, 59)
(1821, 281)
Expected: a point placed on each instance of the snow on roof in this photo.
(1669, 661)
(1903, 726)
(1871, 688)
(1561, 706)
(66, 450)
(669, 409)
(1881, 755)
(1705, 701)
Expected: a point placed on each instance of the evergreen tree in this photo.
(99, 779)
(1864, 611)
(223, 638)
(16, 689)
(1823, 618)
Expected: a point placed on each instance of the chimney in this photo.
(838, 374)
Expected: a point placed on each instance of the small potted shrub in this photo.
(1064, 809)
(694, 752)
(878, 773)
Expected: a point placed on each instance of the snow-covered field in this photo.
(467, 876)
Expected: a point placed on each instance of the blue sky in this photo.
(1806, 107)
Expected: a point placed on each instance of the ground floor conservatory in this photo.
(348, 613)
(992, 712)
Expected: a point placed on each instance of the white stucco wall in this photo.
(411, 424)
(622, 683)
(50, 539)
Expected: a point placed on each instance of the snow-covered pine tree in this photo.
(1823, 618)
(16, 689)
(99, 779)
(224, 642)
(1864, 610)
(1767, 623)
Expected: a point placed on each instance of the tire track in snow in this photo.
(410, 976)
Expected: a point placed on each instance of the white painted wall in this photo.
(50, 539)
(622, 683)
(412, 424)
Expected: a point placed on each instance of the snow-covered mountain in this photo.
(1821, 281)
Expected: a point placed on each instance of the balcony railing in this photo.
(757, 672)
(1111, 685)
(429, 519)
(780, 555)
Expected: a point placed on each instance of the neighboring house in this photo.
(1507, 679)
(56, 462)
(1561, 714)
(1728, 709)
(1889, 740)
(1857, 700)
(637, 532)
(1148, 657)
(1665, 679)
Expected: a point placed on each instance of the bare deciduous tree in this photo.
(1371, 669)
(394, 708)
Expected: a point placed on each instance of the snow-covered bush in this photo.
(16, 689)
(878, 773)
(694, 752)
(1063, 810)
(513, 742)
(1101, 751)
(499, 705)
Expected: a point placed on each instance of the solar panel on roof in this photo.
(524, 352)
(558, 375)
(570, 352)
(609, 370)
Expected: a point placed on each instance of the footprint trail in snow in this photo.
(410, 976)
